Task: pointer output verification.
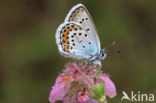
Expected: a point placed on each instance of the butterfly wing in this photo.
(79, 14)
(75, 42)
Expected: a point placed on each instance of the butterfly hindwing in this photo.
(75, 42)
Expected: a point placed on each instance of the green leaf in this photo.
(99, 92)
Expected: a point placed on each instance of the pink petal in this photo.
(57, 93)
(71, 68)
(70, 99)
(59, 79)
(110, 88)
(83, 98)
(58, 90)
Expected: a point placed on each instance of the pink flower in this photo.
(110, 88)
(76, 83)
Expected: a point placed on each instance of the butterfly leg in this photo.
(82, 62)
(99, 68)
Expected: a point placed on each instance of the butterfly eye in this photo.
(103, 54)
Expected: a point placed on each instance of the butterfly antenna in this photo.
(110, 48)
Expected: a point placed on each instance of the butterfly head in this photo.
(103, 54)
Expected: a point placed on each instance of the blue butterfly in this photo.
(77, 37)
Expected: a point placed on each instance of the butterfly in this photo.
(77, 37)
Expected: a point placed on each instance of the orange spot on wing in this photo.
(66, 47)
(65, 37)
(74, 28)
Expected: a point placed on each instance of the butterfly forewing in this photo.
(79, 14)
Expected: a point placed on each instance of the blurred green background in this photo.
(30, 61)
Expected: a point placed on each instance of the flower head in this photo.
(81, 84)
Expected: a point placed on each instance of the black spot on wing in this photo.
(87, 29)
(73, 44)
(72, 36)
